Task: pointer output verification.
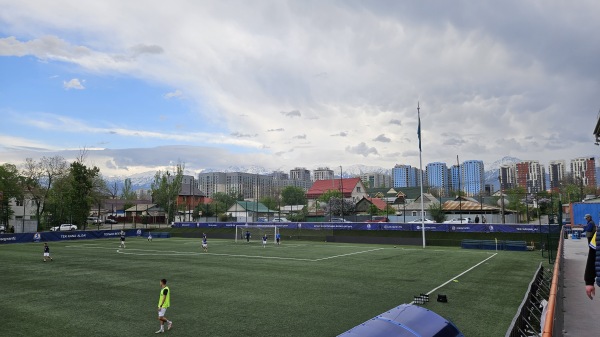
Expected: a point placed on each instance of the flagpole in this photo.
(421, 176)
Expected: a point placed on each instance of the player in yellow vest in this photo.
(164, 301)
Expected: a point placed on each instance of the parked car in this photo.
(110, 221)
(338, 220)
(422, 221)
(280, 220)
(94, 220)
(459, 220)
(2, 229)
(64, 227)
(379, 219)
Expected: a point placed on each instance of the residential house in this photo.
(249, 211)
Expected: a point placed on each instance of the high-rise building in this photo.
(556, 170)
(300, 173)
(375, 180)
(405, 176)
(437, 177)
(454, 177)
(248, 185)
(212, 182)
(473, 177)
(531, 176)
(322, 173)
(584, 171)
(507, 177)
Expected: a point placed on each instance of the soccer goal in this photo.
(256, 232)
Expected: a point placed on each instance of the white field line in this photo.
(459, 275)
(153, 252)
(335, 256)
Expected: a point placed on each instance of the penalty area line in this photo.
(459, 275)
(341, 255)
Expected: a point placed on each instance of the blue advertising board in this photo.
(386, 226)
(72, 235)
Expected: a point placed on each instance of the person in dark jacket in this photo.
(589, 228)
(592, 268)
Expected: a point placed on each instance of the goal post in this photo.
(256, 232)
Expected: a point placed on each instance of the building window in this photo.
(358, 189)
(414, 213)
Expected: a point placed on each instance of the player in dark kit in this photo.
(47, 252)
(265, 238)
(248, 236)
(205, 244)
(122, 239)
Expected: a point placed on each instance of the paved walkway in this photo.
(581, 314)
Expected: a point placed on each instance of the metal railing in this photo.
(554, 320)
(529, 318)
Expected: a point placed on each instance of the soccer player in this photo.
(164, 301)
(149, 236)
(247, 236)
(122, 239)
(204, 244)
(278, 238)
(265, 238)
(47, 252)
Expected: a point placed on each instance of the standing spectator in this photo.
(483, 219)
(589, 228)
(477, 219)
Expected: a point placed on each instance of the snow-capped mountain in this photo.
(144, 180)
(491, 172)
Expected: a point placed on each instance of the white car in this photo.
(422, 221)
(64, 227)
(280, 220)
(459, 220)
(338, 220)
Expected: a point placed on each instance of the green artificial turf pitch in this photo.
(236, 289)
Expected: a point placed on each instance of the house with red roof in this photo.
(352, 188)
(364, 204)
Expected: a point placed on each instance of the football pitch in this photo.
(301, 288)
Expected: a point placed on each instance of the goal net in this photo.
(256, 232)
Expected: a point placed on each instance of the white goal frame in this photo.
(241, 229)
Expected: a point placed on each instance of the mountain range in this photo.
(144, 180)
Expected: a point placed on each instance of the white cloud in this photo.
(315, 69)
(382, 138)
(362, 149)
(73, 83)
(174, 94)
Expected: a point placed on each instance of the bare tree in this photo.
(40, 177)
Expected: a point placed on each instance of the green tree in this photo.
(40, 177)
(165, 190)
(269, 202)
(292, 195)
(128, 194)
(11, 186)
(373, 210)
(83, 185)
(329, 194)
(223, 201)
(437, 212)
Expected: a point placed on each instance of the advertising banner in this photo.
(388, 226)
(60, 236)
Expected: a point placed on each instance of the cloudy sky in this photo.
(279, 84)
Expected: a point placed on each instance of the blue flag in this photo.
(419, 127)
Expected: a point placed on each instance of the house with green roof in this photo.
(249, 211)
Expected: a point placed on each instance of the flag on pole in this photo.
(419, 127)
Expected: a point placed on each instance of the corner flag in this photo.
(419, 127)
